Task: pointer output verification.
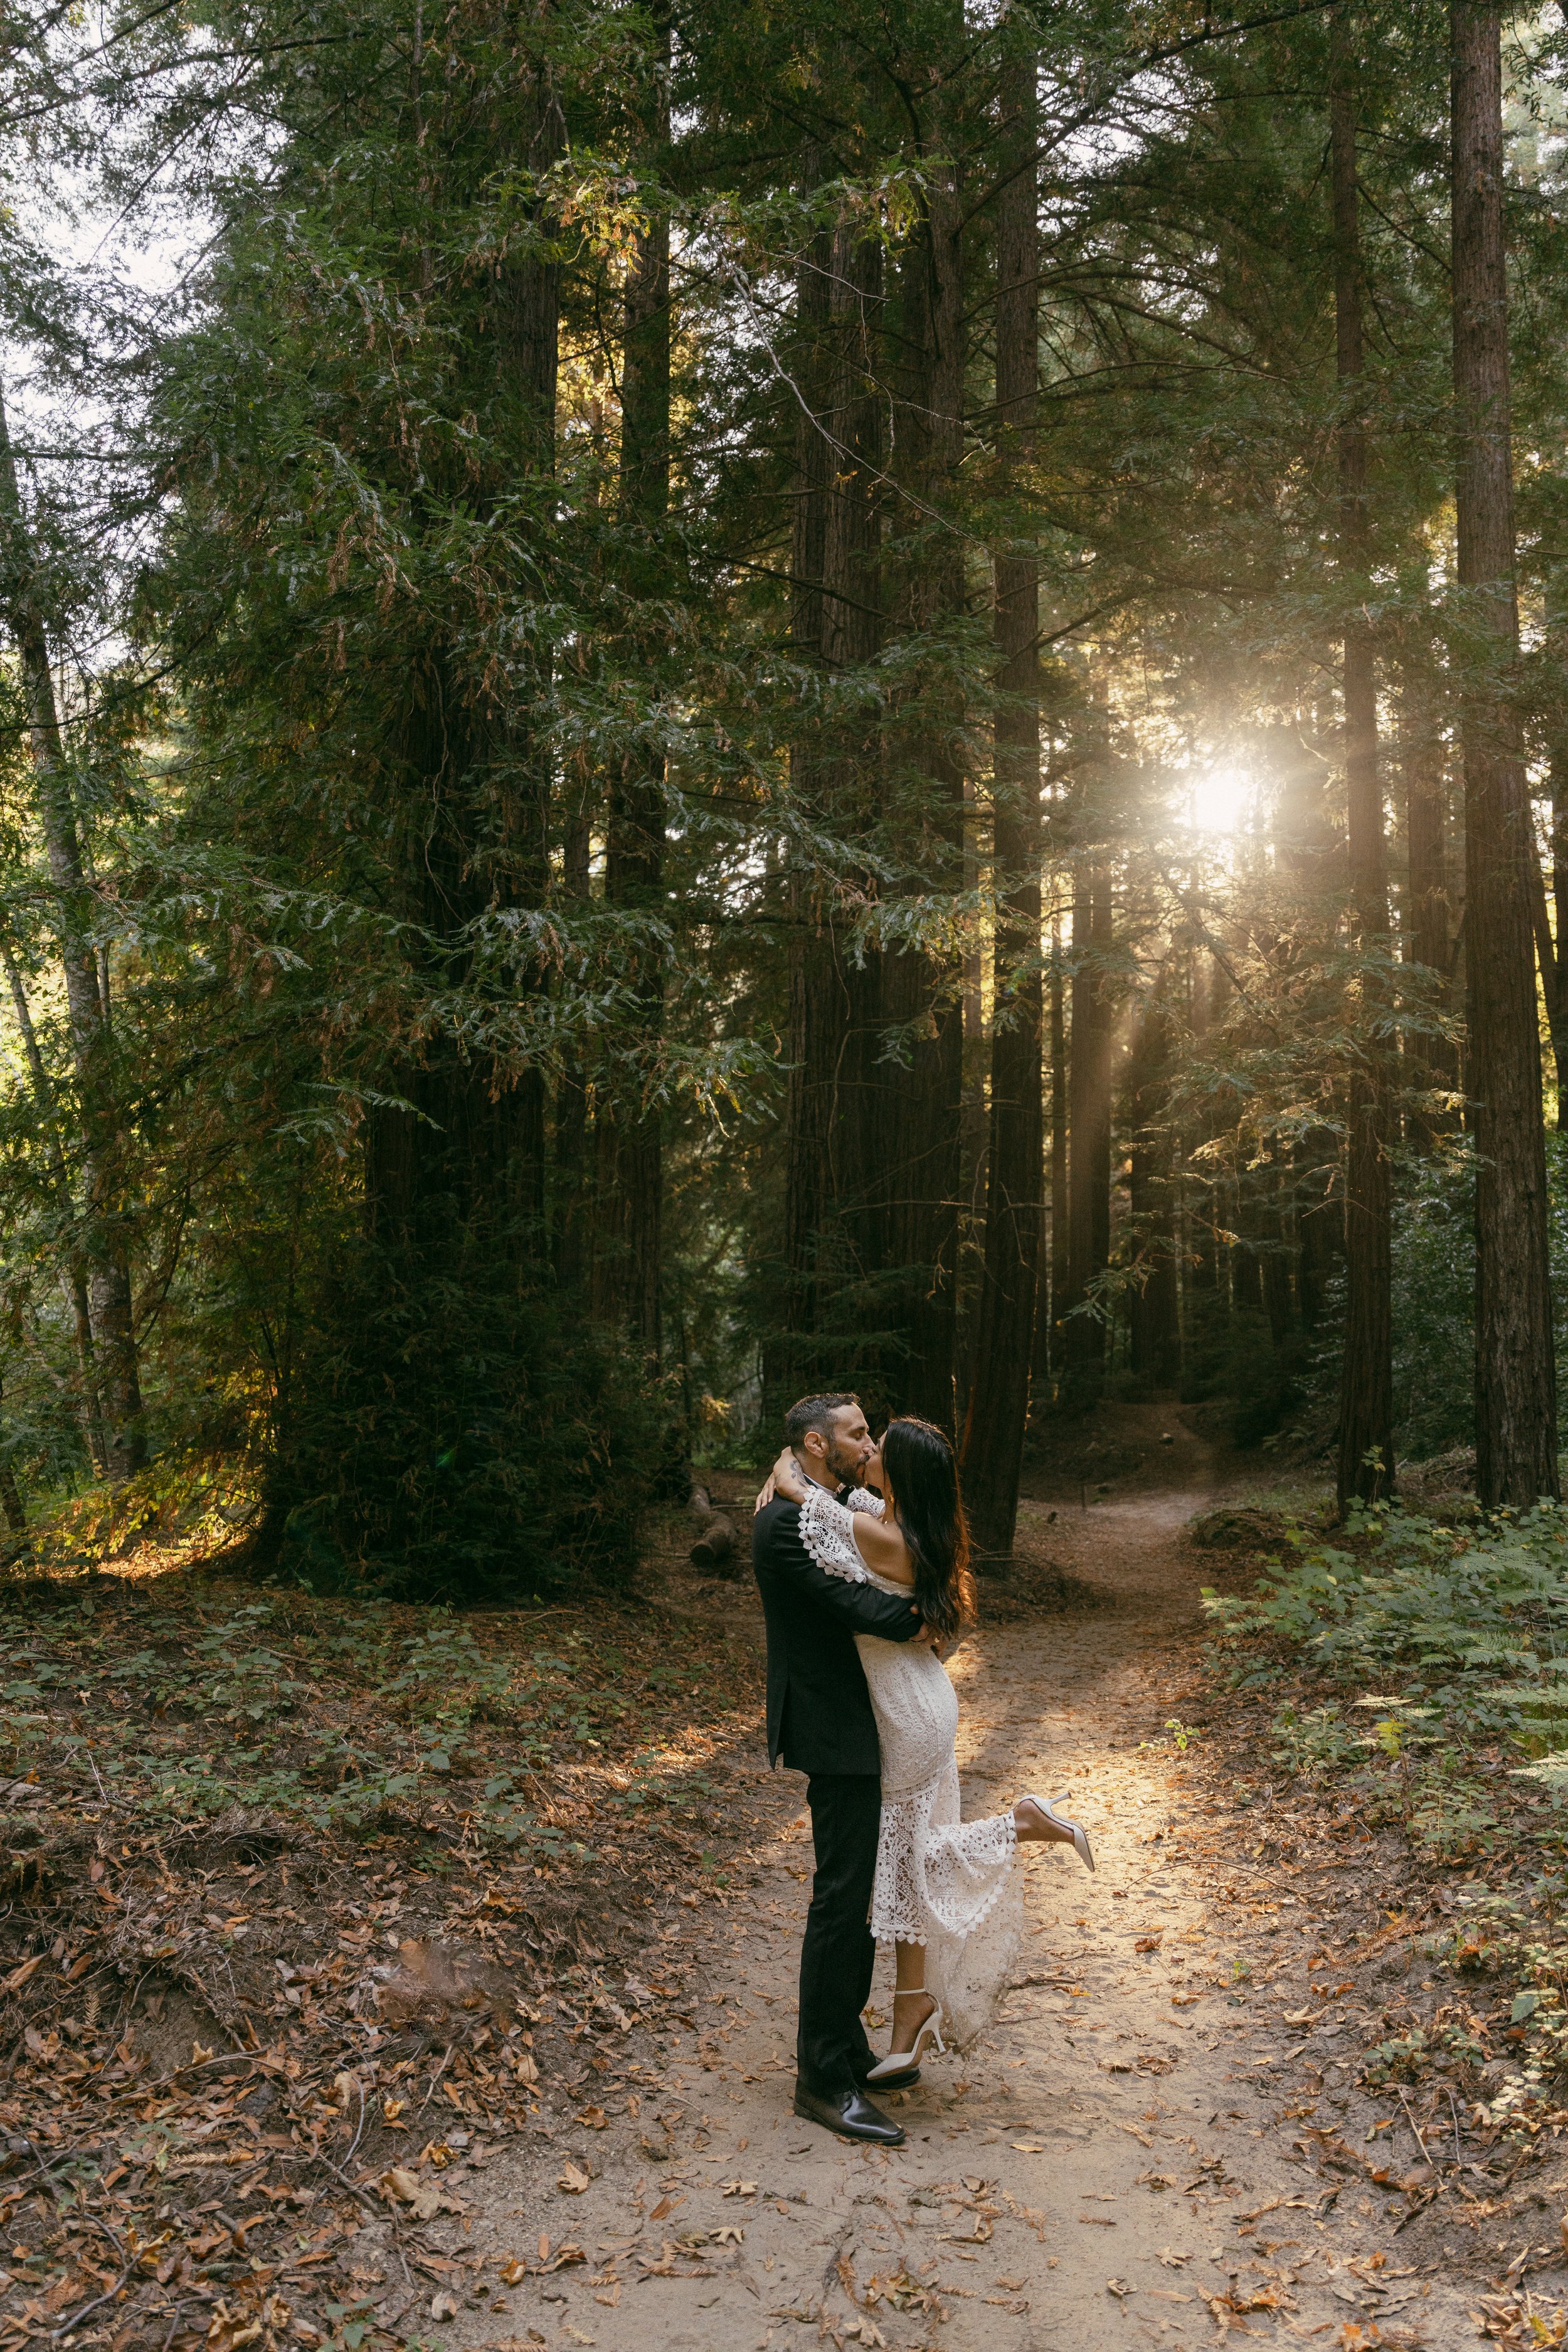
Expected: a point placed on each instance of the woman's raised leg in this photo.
(1037, 1821)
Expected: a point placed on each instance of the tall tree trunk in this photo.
(632, 1183)
(840, 1177)
(1432, 1063)
(1089, 1134)
(1060, 1214)
(924, 1104)
(1556, 970)
(999, 1399)
(1366, 1385)
(1516, 1386)
(76, 1272)
(572, 1193)
(123, 1443)
(815, 1024)
(1156, 1332)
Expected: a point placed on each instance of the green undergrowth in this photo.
(174, 1707)
(1419, 1674)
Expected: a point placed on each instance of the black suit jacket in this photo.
(819, 1710)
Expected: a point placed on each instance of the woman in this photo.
(946, 1894)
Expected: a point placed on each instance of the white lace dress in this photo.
(945, 1882)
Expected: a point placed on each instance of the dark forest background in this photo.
(698, 702)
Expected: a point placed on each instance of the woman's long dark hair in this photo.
(923, 1475)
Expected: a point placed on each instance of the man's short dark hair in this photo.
(815, 1413)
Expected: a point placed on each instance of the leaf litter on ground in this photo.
(307, 1898)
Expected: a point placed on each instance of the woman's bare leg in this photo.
(911, 2003)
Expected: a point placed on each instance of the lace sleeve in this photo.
(827, 1531)
(861, 1498)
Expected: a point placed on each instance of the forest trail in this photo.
(1112, 2165)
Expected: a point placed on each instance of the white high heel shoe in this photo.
(1075, 1830)
(898, 2061)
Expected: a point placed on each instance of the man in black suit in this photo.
(820, 1722)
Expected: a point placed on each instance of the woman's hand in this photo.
(765, 1497)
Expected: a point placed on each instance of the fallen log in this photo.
(717, 1546)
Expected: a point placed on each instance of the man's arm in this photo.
(862, 1607)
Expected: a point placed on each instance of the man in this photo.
(820, 1722)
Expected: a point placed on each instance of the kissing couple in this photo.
(864, 1593)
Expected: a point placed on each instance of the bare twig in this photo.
(1425, 2152)
(437, 2077)
(359, 2131)
(75, 2318)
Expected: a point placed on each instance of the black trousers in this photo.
(838, 1953)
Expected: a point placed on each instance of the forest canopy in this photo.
(702, 701)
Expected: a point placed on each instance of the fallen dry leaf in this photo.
(573, 2179)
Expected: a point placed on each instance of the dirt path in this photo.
(1112, 2165)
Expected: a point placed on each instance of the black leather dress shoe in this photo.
(851, 2115)
(904, 2080)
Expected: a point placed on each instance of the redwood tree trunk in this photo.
(1089, 1136)
(123, 1443)
(1516, 1389)
(841, 1175)
(1059, 1153)
(1555, 971)
(1366, 1383)
(631, 1196)
(999, 1396)
(922, 1106)
(814, 1025)
(1432, 1063)
(1155, 1329)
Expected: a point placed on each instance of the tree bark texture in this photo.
(123, 1444)
(923, 1101)
(1432, 1062)
(1516, 1396)
(998, 1408)
(843, 1168)
(76, 1271)
(1059, 1153)
(462, 1174)
(1154, 1320)
(1555, 972)
(1088, 1133)
(631, 1188)
(1366, 1470)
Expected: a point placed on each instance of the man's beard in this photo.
(844, 1464)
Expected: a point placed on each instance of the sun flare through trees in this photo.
(703, 701)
